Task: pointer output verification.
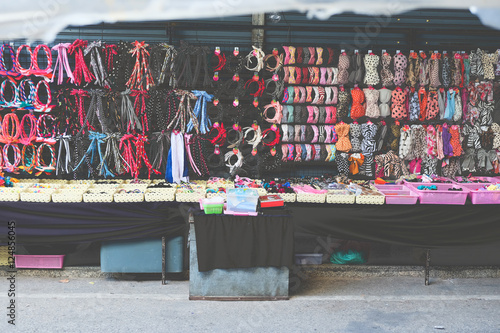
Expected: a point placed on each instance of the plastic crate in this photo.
(441, 196)
(39, 261)
(398, 194)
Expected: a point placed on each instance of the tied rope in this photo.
(95, 147)
(101, 76)
(62, 63)
(63, 165)
(81, 71)
(110, 50)
(161, 144)
(200, 112)
(80, 105)
(128, 153)
(130, 122)
(167, 73)
(40, 164)
(141, 75)
(12, 72)
(95, 110)
(141, 156)
(112, 155)
(140, 107)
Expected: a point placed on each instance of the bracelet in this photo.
(12, 72)
(10, 128)
(13, 103)
(11, 167)
(26, 101)
(19, 67)
(24, 138)
(39, 106)
(316, 133)
(312, 59)
(40, 164)
(276, 119)
(319, 52)
(28, 167)
(35, 69)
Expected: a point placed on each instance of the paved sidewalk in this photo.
(319, 304)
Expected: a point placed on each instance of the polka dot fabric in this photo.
(358, 98)
(398, 104)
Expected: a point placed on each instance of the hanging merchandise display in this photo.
(146, 110)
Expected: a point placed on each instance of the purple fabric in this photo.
(447, 148)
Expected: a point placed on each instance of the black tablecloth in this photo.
(412, 225)
(226, 241)
(51, 223)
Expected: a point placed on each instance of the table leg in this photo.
(163, 261)
(427, 266)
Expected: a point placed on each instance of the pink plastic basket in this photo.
(441, 196)
(39, 261)
(482, 197)
(398, 194)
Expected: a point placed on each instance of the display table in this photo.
(240, 257)
(53, 223)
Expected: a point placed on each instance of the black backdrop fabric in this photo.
(53, 223)
(226, 241)
(430, 226)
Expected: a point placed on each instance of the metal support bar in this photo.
(427, 265)
(163, 260)
(258, 34)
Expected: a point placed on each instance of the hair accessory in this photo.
(273, 129)
(259, 55)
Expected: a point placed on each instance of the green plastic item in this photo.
(347, 257)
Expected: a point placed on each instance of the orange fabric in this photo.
(343, 143)
(422, 100)
(356, 162)
(432, 105)
(357, 108)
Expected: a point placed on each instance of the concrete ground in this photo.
(318, 303)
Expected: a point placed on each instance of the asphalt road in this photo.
(322, 304)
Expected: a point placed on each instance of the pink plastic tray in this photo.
(397, 194)
(39, 261)
(441, 196)
(481, 197)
